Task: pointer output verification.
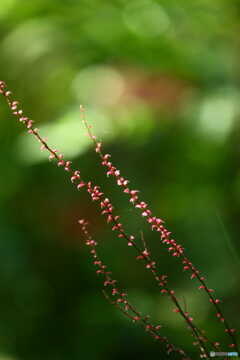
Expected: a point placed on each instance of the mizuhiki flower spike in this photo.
(157, 224)
(119, 298)
(107, 210)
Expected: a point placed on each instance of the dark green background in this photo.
(160, 84)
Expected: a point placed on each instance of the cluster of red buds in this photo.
(155, 223)
(119, 297)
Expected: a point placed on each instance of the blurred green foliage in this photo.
(160, 83)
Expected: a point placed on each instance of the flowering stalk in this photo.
(119, 298)
(107, 210)
(97, 195)
(175, 249)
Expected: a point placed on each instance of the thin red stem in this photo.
(157, 224)
(96, 195)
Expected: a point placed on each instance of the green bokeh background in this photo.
(160, 83)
